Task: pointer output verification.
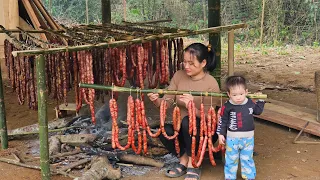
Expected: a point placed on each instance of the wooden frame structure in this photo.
(42, 92)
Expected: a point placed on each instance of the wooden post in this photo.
(214, 20)
(13, 14)
(3, 121)
(231, 53)
(317, 86)
(106, 11)
(42, 117)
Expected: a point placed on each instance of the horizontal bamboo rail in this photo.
(29, 31)
(163, 91)
(128, 42)
(148, 22)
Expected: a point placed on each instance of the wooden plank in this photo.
(70, 107)
(291, 116)
(290, 121)
(33, 17)
(295, 112)
(291, 106)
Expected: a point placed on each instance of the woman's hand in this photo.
(186, 98)
(153, 97)
(222, 139)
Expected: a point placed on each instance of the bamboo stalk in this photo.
(87, 12)
(42, 116)
(156, 27)
(163, 91)
(262, 21)
(28, 31)
(133, 41)
(3, 121)
(317, 89)
(231, 53)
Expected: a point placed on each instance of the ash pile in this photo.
(82, 150)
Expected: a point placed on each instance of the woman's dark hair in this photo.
(233, 81)
(201, 52)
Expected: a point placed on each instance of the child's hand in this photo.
(222, 140)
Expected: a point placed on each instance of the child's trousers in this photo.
(242, 147)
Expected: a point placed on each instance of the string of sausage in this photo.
(115, 129)
(207, 130)
(212, 124)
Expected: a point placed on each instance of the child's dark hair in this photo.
(201, 52)
(232, 81)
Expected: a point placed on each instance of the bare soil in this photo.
(290, 69)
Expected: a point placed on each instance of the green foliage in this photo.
(286, 21)
(315, 44)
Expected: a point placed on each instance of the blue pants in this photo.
(244, 148)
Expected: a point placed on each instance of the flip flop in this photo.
(196, 175)
(175, 168)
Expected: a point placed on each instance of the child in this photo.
(237, 125)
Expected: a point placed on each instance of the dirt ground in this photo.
(285, 74)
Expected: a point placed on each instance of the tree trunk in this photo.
(214, 20)
(124, 2)
(204, 10)
(106, 11)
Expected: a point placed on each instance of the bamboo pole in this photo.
(3, 121)
(317, 89)
(87, 12)
(148, 22)
(29, 31)
(127, 42)
(124, 3)
(163, 91)
(262, 21)
(42, 117)
(231, 53)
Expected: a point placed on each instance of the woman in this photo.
(198, 61)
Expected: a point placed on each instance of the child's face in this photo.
(238, 94)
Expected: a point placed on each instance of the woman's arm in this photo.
(170, 98)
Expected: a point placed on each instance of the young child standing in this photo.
(236, 128)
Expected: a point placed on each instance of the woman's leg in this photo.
(193, 173)
(186, 136)
(170, 146)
